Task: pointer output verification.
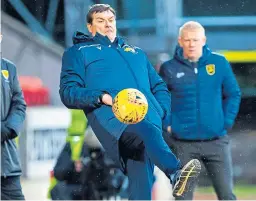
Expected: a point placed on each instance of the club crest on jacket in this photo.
(129, 49)
(5, 74)
(210, 69)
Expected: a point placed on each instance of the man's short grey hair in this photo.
(191, 25)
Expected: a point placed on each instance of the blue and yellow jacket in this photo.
(13, 113)
(94, 65)
(205, 95)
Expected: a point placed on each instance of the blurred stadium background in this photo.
(37, 31)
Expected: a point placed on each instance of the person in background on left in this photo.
(68, 167)
(13, 112)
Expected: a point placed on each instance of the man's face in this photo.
(192, 42)
(104, 23)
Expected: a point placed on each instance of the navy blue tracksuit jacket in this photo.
(94, 65)
(205, 95)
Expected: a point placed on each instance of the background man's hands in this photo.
(169, 129)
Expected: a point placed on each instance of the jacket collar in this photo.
(79, 37)
(179, 55)
(104, 40)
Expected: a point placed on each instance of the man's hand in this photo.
(167, 124)
(78, 166)
(169, 129)
(107, 99)
(6, 133)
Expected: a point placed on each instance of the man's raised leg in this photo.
(160, 154)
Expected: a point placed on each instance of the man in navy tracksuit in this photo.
(94, 70)
(205, 101)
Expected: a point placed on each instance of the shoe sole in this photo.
(188, 176)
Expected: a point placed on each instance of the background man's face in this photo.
(192, 42)
(103, 23)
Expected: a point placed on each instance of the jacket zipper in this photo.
(197, 99)
(129, 67)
